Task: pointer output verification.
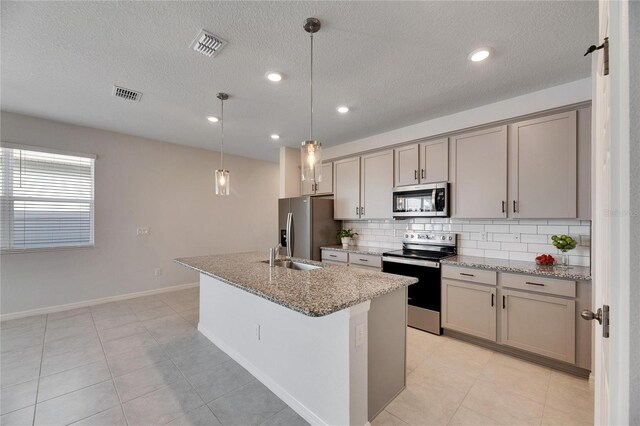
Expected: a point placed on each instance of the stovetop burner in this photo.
(420, 254)
(426, 246)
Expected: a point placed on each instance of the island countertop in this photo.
(580, 273)
(314, 293)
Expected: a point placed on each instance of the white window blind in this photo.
(46, 200)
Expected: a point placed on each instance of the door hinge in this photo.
(605, 47)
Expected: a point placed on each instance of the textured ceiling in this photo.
(393, 63)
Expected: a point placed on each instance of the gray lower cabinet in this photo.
(526, 312)
(469, 308)
(352, 259)
(545, 325)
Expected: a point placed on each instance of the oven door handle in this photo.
(427, 263)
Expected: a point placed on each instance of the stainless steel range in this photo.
(420, 258)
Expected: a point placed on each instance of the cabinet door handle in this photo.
(503, 203)
(514, 207)
(415, 175)
(467, 275)
(362, 211)
(504, 302)
(357, 211)
(530, 283)
(422, 174)
(492, 301)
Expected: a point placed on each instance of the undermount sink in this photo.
(291, 264)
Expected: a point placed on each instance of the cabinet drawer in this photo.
(473, 275)
(365, 260)
(538, 284)
(335, 256)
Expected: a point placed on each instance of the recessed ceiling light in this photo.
(275, 137)
(342, 109)
(213, 119)
(479, 55)
(274, 76)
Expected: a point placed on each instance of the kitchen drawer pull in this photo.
(332, 255)
(492, 299)
(467, 275)
(364, 260)
(530, 283)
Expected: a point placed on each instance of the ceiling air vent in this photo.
(126, 94)
(207, 44)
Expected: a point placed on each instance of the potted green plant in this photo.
(345, 236)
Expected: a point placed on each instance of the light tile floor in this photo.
(457, 383)
(136, 362)
(142, 362)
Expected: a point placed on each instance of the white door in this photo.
(611, 215)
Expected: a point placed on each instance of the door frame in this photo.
(612, 284)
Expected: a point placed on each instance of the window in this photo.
(46, 199)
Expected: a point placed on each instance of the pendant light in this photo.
(311, 151)
(222, 175)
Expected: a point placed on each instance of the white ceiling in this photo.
(393, 63)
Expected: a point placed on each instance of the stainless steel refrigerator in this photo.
(305, 225)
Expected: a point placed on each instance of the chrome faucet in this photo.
(273, 254)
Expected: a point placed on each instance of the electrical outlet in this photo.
(483, 236)
(516, 237)
(157, 272)
(142, 231)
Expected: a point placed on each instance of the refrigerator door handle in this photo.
(289, 239)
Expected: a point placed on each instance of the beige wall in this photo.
(139, 183)
(289, 172)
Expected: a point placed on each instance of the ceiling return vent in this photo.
(126, 94)
(207, 43)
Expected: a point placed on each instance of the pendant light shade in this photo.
(222, 175)
(311, 150)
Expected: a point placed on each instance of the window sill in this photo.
(44, 249)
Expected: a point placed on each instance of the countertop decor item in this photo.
(311, 151)
(564, 243)
(222, 175)
(345, 236)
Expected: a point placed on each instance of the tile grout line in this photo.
(110, 372)
(35, 403)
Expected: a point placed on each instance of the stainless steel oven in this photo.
(420, 258)
(421, 200)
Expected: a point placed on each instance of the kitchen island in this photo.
(329, 341)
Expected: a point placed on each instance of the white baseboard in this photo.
(69, 306)
(274, 387)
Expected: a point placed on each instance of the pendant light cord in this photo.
(311, 91)
(222, 131)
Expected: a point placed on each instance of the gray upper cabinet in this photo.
(346, 194)
(323, 187)
(407, 165)
(481, 174)
(543, 167)
(376, 185)
(434, 161)
(427, 162)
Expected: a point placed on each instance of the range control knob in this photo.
(443, 237)
(406, 235)
(450, 238)
(412, 235)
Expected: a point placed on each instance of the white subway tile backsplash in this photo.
(534, 238)
(523, 229)
(499, 254)
(516, 239)
(514, 247)
(553, 230)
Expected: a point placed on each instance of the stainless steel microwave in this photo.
(427, 200)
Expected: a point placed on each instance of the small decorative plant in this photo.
(564, 243)
(345, 236)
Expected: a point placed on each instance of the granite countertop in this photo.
(314, 293)
(579, 273)
(375, 251)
